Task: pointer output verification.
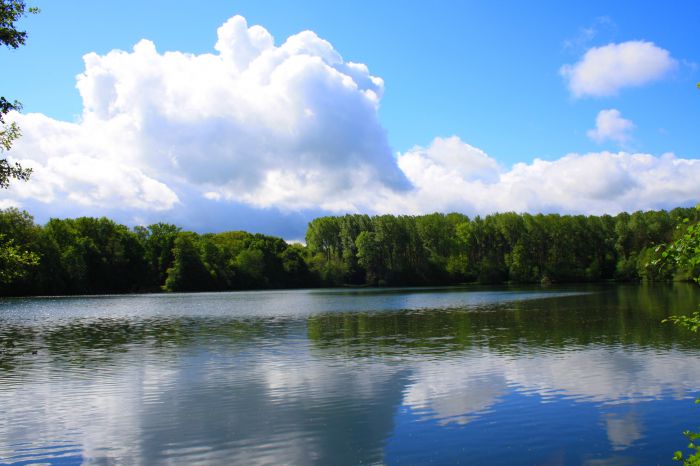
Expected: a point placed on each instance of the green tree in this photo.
(15, 262)
(294, 264)
(685, 254)
(350, 227)
(18, 254)
(250, 265)
(89, 255)
(188, 273)
(11, 11)
(369, 256)
(157, 241)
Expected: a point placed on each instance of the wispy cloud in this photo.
(602, 25)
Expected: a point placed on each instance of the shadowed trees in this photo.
(97, 255)
(440, 249)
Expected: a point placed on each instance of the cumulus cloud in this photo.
(592, 183)
(262, 136)
(604, 71)
(71, 165)
(609, 125)
(291, 126)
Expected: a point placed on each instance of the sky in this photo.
(261, 115)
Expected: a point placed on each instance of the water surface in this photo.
(569, 375)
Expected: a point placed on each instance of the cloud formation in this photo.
(592, 183)
(265, 137)
(292, 126)
(609, 125)
(604, 71)
(73, 164)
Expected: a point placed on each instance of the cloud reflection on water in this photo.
(330, 387)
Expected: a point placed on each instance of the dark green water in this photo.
(575, 375)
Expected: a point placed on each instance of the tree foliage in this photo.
(17, 259)
(440, 249)
(158, 241)
(11, 11)
(684, 253)
(97, 255)
(15, 262)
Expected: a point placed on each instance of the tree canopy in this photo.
(98, 255)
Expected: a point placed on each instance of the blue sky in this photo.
(488, 73)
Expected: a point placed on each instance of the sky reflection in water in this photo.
(562, 376)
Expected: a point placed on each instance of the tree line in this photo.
(97, 255)
(507, 247)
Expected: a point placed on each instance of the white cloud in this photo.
(83, 165)
(8, 203)
(265, 137)
(593, 183)
(454, 392)
(290, 126)
(462, 388)
(604, 71)
(609, 125)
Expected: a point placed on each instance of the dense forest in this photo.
(97, 255)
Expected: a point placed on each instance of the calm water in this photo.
(578, 375)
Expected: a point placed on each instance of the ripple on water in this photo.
(55, 452)
(307, 377)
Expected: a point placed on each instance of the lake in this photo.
(474, 375)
